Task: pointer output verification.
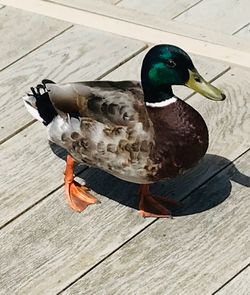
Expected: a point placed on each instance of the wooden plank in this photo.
(53, 246)
(131, 70)
(18, 40)
(78, 54)
(27, 182)
(217, 15)
(240, 285)
(95, 2)
(230, 118)
(162, 8)
(192, 254)
(72, 244)
(20, 198)
(244, 33)
(110, 1)
(159, 8)
(156, 22)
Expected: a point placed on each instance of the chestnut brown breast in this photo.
(181, 138)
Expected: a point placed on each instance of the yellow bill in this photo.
(200, 85)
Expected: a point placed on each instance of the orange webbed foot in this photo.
(78, 196)
(155, 206)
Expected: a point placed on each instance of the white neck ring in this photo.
(161, 104)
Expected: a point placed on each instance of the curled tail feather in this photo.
(39, 104)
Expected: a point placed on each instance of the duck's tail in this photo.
(39, 104)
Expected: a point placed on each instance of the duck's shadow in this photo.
(209, 195)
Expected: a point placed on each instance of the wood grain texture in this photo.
(157, 21)
(228, 120)
(53, 246)
(159, 8)
(244, 33)
(225, 16)
(26, 181)
(162, 8)
(108, 1)
(192, 254)
(131, 70)
(50, 245)
(240, 285)
(76, 55)
(82, 4)
(22, 32)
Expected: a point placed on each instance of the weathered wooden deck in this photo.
(109, 249)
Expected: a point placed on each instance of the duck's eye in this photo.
(170, 63)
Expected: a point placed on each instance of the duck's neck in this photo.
(155, 94)
(155, 97)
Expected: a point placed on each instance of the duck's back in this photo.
(103, 124)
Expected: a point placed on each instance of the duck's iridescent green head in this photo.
(167, 65)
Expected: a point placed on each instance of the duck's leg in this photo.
(77, 195)
(154, 206)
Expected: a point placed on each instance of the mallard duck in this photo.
(138, 132)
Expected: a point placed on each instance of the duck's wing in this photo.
(115, 103)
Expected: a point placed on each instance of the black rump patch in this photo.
(44, 105)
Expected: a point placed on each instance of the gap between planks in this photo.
(98, 78)
(219, 171)
(106, 257)
(231, 279)
(187, 9)
(33, 121)
(143, 18)
(132, 30)
(211, 80)
(243, 27)
(40, 200)
(123, 62)
(35, 48)
(151, 223)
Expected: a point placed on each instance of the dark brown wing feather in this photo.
(117, 103)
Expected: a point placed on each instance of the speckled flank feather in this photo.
(112, 130)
